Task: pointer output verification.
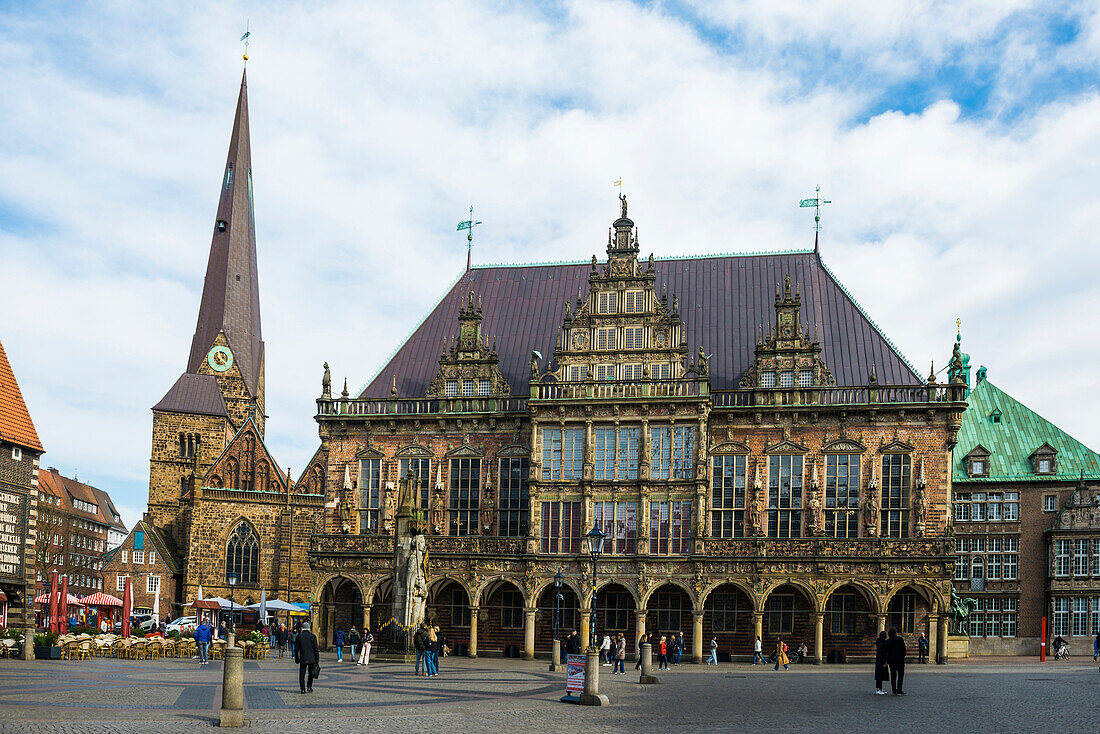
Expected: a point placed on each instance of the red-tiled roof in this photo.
(16, 426)
(724, 301)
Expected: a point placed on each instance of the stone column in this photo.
(528, 634)
(880, 622)
(697, 636)
(819, 638)
(366, 617)
(330, 624)
(933, 637)
(232, 712)
(757, 626)
(639, 626)
(473, 632)
(941, 644)
(592, 695)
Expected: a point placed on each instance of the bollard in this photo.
(28, 644)
(232, 713)
(647, 665)
(555, 658)
(592, 695)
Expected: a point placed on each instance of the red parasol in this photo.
(127, 607)
(54, 598)
(63, 617)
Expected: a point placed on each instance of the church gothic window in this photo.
(242, 555)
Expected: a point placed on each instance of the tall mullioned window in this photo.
(727, 496)
(617, 453)
(672, 449)
(842, 495)
(618, 521)
(465, 495)
(669, 528)
(513, 496)
(785, 496)
(562, 454)
(561, 527)
(421, 468)
(895, 495)
(242, 554)
(370, 493)
(842, 614)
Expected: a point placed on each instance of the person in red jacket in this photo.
(662, 654)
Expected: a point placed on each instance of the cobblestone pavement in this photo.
(494, 696)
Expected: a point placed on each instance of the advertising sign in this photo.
(574, 674)
(13, 530)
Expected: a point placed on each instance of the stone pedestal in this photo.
(232, 713)
(958, 647)
(592, 695)
(556, 664)
(647, 665)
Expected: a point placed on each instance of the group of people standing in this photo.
(428, 643)
(889, 662)
(360, 645)
(613, 651)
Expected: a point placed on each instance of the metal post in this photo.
(592, 622)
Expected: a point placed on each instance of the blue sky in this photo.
(958, 141)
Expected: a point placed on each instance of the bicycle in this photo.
(1062, 653)
(792, 656)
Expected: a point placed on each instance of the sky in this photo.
(958, 141)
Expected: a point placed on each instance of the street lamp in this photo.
(231, 577)
(559, 578)
(595, 547)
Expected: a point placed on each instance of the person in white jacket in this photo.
(605, 650)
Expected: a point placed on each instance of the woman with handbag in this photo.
(781, 655)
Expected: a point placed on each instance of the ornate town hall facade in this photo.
(760, 457)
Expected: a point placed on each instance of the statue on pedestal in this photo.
(416, 581)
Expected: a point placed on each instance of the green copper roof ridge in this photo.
(446, 291)
(662, 258)
(870, 320)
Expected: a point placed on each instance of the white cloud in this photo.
(374, 127)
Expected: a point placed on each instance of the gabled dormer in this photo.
(977, 462)
(1044, 460)
(787, 357)
(622, 329)
(245, 464)
(468, 366)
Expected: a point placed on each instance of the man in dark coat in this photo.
(308, 655)
(895, 658)
(572, 643)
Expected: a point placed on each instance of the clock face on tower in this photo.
(220, 359)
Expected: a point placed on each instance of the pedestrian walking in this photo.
(353, 642)
(203, 633)
(432, 653)
(1096, 642)
(644, 639)
(292, 639)
(713, 659)
(364, 653)
(619, 652)
(281, 636)
(662, 654)
(605, 651)
(420, 644)
(757, 651)
(678, 647)
(922, 648)
(881, 671)
(308, 656)
(339, 640)
(781, 655)
(895, 658)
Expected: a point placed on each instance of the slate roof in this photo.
(16, 426)
(110, 514)
(724, 299)
(231, 290)
(197, 394)
(1012, 441)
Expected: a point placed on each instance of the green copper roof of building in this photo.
(1013, 440)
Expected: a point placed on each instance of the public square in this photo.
(498, 695)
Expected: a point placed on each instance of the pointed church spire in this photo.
(231, 291)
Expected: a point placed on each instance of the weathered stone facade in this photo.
(716, 503)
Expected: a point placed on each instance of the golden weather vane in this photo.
(244, 39)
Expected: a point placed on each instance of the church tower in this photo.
(223, 384)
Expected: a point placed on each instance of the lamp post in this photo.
(559, 578)
(231, 577)
(595, 548)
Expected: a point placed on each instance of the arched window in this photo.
(233, 473)
(242, 555)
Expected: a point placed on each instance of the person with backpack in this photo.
(339, 640)
(420, 644)
(781, 655)
(364, 651)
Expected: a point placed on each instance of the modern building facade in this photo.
(20, 451)
(1027, 525)
(760, 457)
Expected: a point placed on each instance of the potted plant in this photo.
(45, 646)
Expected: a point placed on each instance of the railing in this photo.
(866, 395)
(422, 406)
(255, 495)
(619, 389)
(382, 543)
(831, 547)
(340, 543)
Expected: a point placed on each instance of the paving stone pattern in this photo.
(497, 695)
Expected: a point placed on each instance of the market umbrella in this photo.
(127, 607)
(200, 592)
(277, 605)
(63, 618)
(54, 597)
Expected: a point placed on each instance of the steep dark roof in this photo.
(198, 394)
(231, 291)
(723, 301)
